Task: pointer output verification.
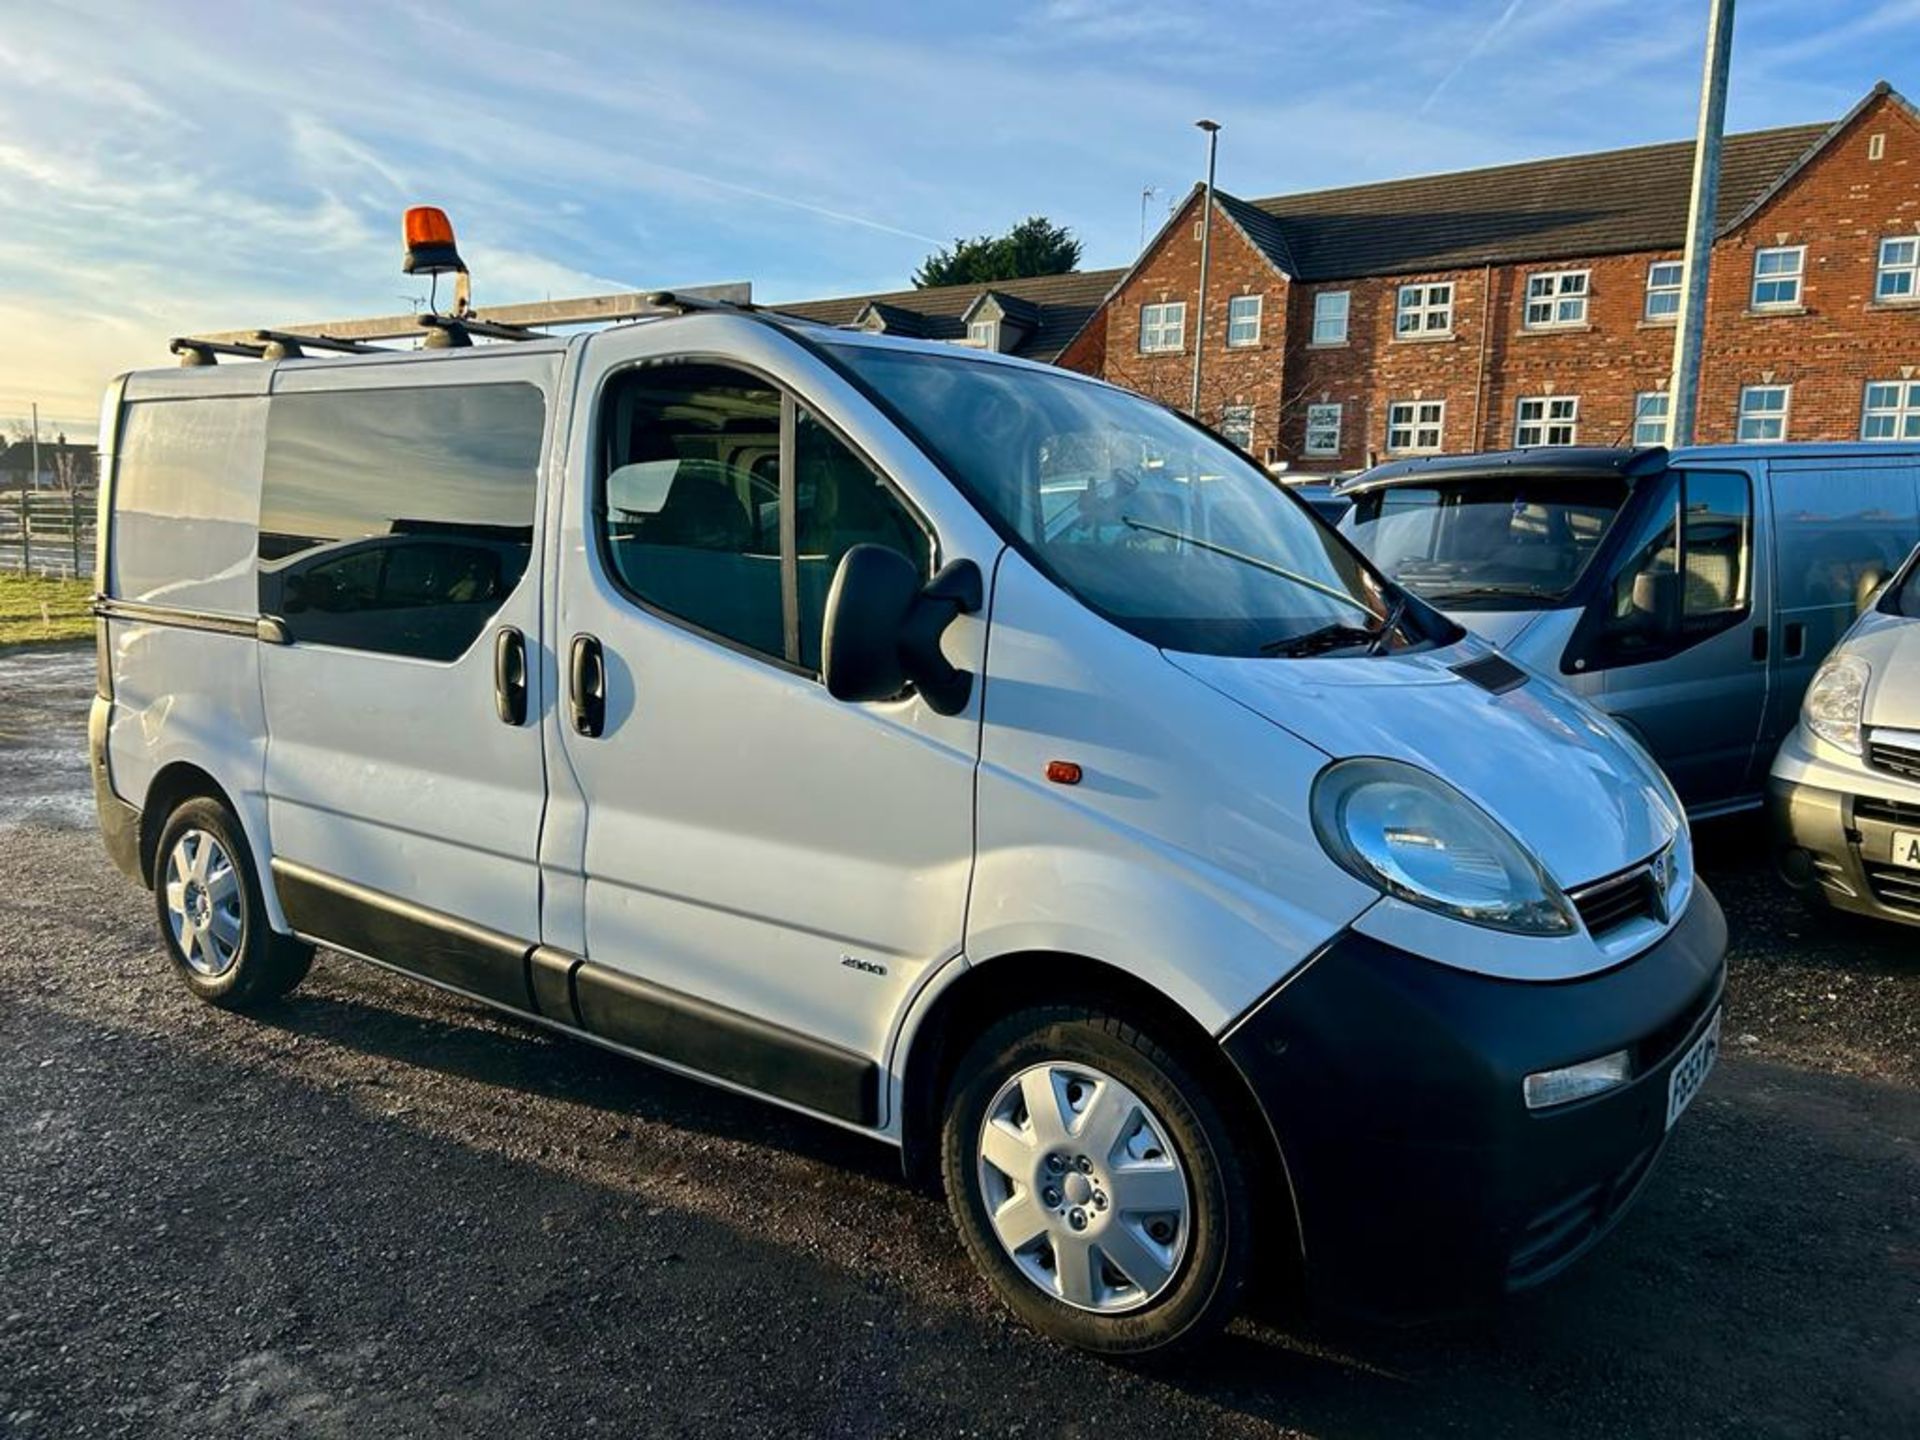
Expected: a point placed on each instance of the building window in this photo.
(984, 333)
(1899, 274)
(1547, 420)
(1323, 429)
(1163, 327)
(1330, 317)
(1763, 413)
(1556, 298)
(1891, 411)
(1424, 310)
(1776, 277)
(1663, 290)
(1650, 417)
(1243, 320)
(1414, 427)
(1236, 425)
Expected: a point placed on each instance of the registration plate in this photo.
(1691, 1070)
(1906, 848)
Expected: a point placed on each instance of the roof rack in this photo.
(530, 321)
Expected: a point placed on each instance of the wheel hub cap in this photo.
(1083, 1188)
(204, 904)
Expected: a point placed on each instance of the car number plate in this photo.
(1691, 1070)
(1906, 848)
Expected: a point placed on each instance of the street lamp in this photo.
(1212, 127)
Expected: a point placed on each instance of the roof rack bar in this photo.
(457, 331)
(285, 345)
(195, 351)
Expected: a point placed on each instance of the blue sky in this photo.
(173, 165)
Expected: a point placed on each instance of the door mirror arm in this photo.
(883, 628)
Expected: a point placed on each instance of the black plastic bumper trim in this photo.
(1392, 1085)
(119, 821)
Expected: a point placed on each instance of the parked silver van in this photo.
(1691, 595)
(961, 751)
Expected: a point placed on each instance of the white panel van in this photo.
(958, 750)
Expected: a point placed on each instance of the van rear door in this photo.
(1842, 524)
(399, 520)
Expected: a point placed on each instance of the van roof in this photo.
(1572, 462)
(1583, 462)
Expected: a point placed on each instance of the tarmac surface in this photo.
(379, 1210)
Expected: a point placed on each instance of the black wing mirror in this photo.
(883, 628)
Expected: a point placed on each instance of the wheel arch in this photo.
(980, 996)
(181, 780)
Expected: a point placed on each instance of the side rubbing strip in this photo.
(550, 979)
(412, 937)
(726, 1044)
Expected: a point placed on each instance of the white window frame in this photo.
(1798, 277)
(1323, 319)
(1645, 414)
(1904, 411)
(1258, 306)
(1561, 294)
(1907, 270)
(1169, 318)
(1323, 430)
(1416, 302)
(984, 333)
(1662, 289)
(1761, 418)
(1545, 417)
(1420, 417)
(1236, 425)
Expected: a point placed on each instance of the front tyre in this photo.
(1096, 1182)
(212, 917)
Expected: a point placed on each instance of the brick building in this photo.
(1535, 303)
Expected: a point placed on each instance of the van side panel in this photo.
(1842, 524)
(178, 587)
(1165, 860)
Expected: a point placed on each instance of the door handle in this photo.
(1796, 640)
(587, 686)
(510, 675)
(1759, 642)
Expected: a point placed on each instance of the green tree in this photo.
(1036, 246)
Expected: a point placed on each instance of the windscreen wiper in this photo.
(1255, 561)
(1395, 618)
(1327, 637)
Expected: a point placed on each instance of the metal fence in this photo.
(46, 532)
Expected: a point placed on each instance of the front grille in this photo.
(1555, 1237)
(1894, 759)
(1892, 812)
(1619, 899)
(1894, 886)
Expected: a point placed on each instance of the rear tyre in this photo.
(213, 920)
(1096, 1182)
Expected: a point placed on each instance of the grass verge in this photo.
(35, 611)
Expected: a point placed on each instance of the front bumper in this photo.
(1838, 845)
(1421, 1182)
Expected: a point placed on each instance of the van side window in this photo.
(691, 501)
(839, 503)
(1686, 574)
(691, 509)
(398, 520)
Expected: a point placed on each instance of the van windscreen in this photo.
(1506, 542)
(1146, 518)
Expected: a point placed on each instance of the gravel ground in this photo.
(381, 1211)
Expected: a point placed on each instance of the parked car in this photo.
(1846, 783)
(960, 751)
(1326, 500)
(1689, 595)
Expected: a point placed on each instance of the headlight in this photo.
(1836, 701)
(1416, 837)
